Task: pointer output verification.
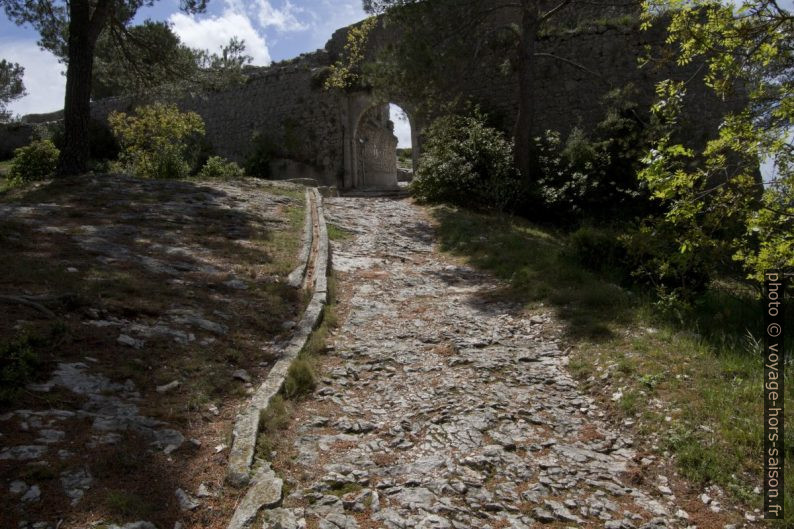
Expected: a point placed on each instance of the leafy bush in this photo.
(654, 254)
(156, 140)
(468, 164)
(595, 174)
(18, 364)
(599, 250)
(102, 143)
(263, 151)
(36, 161)
(217, 167)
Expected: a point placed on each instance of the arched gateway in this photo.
(344, 138)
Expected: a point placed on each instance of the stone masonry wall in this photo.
(284, 103)
(378, 147)
(566, 96)
(316, 131)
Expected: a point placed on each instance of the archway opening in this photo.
(383, 146)
(403, 132)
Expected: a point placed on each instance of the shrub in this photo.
(599, 250)
(156, 140)
(300, 379)
(36, 161)
(18, 364)
(101, 141)
(263, 151)
(595, 174)
(654, 255)
(468, 164)
(217, 167)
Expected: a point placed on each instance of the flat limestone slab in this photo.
(265, 492)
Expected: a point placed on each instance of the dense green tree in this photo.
(131, 60)
(219, 71)
(150, 57)
(11, 85)
(714, 198)
(71, 29)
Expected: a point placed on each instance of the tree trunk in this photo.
(524, 148)
(84, 29)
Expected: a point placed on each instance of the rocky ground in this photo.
(135, 317)
(443, 406)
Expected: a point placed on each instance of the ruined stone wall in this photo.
(315, 133)
(377, 146)
(568, 96)
(284, 103)
(605, 43)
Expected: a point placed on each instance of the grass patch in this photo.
(704, 368)
(301, 379)
(335, 233)
(273, 419)
(302, 375)
(18, 364)
(536, 268)
(128, 505)
(340, 489)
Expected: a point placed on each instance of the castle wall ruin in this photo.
(345, 139)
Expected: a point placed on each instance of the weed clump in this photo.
(18, 364)
(301, 379)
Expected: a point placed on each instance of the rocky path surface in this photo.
(442, 409)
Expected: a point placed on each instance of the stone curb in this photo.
(246, 427)
(323, 248)
(295, 279)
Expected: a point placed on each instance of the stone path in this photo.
(441, 409)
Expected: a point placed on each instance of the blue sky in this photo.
(273, 30)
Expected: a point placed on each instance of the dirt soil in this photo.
(135, 318)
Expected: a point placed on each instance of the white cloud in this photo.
(215, 32)
(402, 127)
(284, 19)
(43, 80)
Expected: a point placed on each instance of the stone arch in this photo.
(371, 147)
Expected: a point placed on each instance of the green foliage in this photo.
(70, 30)
(136, 59)
(156, 140)
(221, 71)
(467, 163)
(441, 42)
(599, 250)
(11, 85)
(300, 379)
(36, 161)
(346, 71)
(217, 167)
(102, 143)
(653, 253)
(263, 151)
(18, 364)
(595, 176)
(713, 197)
